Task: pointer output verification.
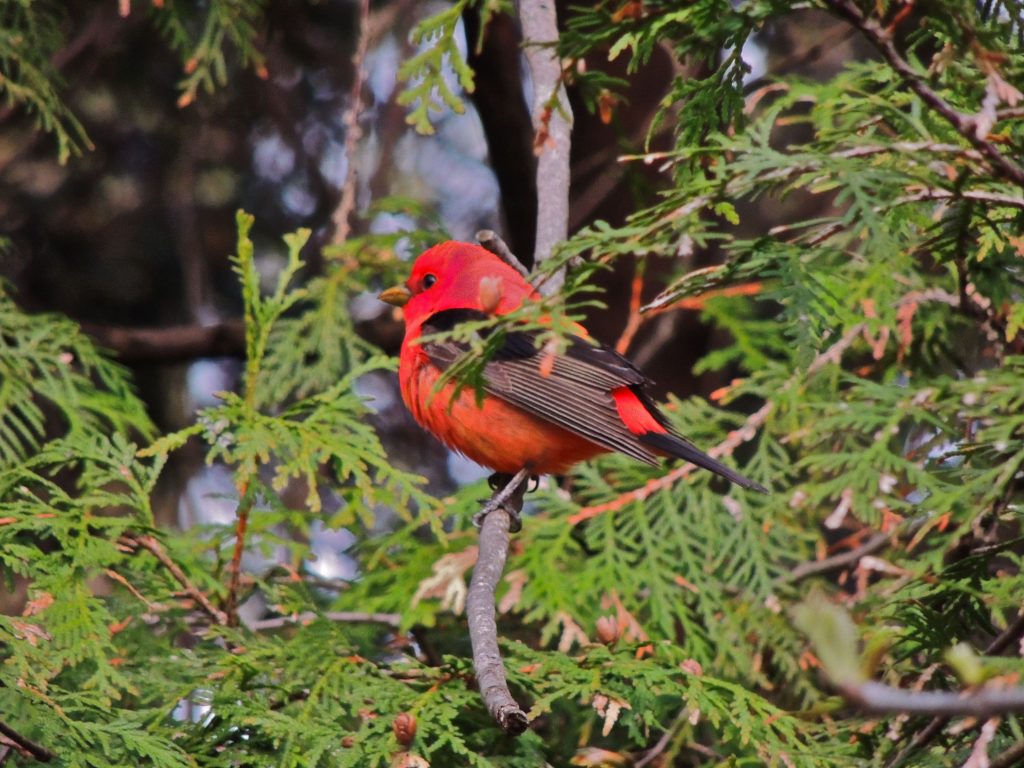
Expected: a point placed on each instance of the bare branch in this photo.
(963, 124)
(493, 243)
(935, 726)
(171, 344)
(345, 617)
(340, 218)
(879, 698)
(995, 198)
(151, 545)
(1009, 635)
(503, 506)
(836, 562)
(552, 124)
(1011, 757)
(39, 752)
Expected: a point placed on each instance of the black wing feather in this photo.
(576, 395)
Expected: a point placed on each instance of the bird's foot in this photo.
(506, 487)
(515, 522)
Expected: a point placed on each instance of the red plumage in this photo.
(539, 412)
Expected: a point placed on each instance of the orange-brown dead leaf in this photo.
(634, 9)
(38, 605)
(606, 103)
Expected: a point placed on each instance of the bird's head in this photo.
(456, 275)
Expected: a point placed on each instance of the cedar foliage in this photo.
(878, 388)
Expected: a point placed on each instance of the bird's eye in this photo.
(429, 280)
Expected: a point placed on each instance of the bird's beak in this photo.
(398, 296)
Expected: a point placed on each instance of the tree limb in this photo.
(39, 752)
(340, 218)
(879, 698)
(965, 125)
(176, 343)
(483, 630)
(552, 124)
(1011, 757)
(151, 545)
(1013, 632)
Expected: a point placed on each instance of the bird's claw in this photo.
(515, 522)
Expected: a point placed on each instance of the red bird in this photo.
(535, 415)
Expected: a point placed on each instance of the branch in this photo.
(483, 630)
(1011, 757)
(499, 248)
(39, 752)
(965, 125)
(879, 698)
(176, 343)
(836, 562)
(347, 617)
(352, 130)
(1011, 634)
(552, 124)
(235, 567)
(944, 194)
(1014, 631)
(153, 546)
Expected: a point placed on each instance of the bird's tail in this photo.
(681, 449)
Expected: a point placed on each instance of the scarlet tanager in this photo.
(540, 413)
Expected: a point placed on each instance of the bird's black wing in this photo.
(575, 394)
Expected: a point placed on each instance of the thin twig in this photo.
(493, 243)
(345, 617)
(732, 441)
(235, 567)
(552, 124)
(666, 738)
(635, 318)
(836, 562)
(1009, 635)
(340, 218)
(151, 545)
(483, 630)
(38, 751)
(995, 198)
(335, 585)
(963, 124)
(1011, 757)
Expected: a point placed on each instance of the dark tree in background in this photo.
(223, 541)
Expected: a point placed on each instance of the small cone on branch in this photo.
(404, 727)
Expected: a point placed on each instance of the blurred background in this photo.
(135, 233)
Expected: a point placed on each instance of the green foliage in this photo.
(29, 36)
(875, 368)
(201, 34)
(52, 378)
(32, 32)
(428, 89)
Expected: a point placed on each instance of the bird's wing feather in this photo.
(574, 394)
